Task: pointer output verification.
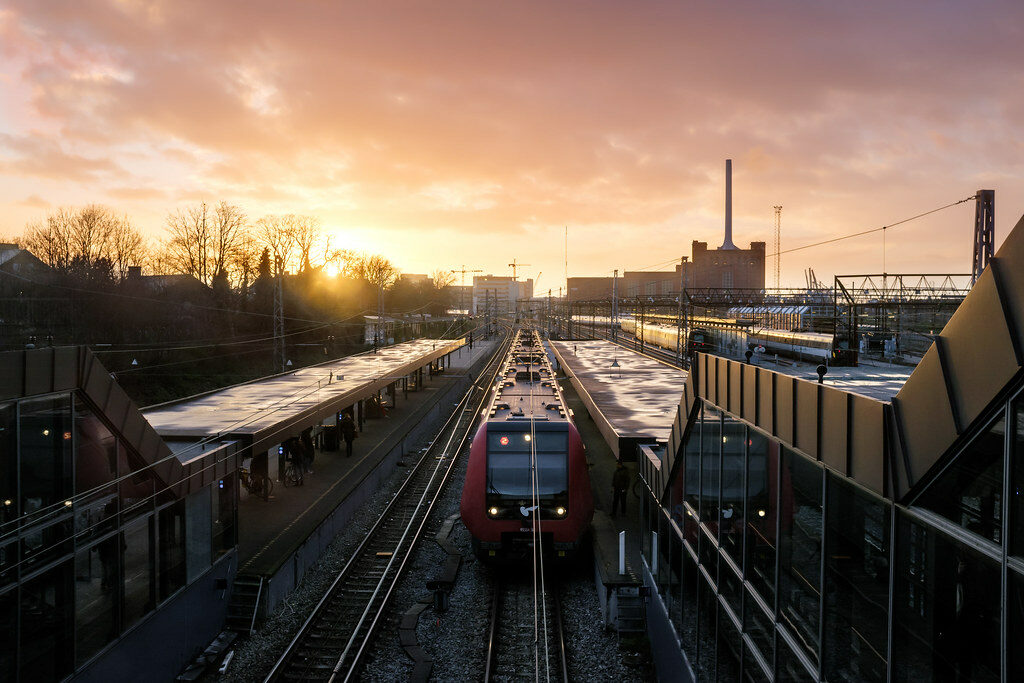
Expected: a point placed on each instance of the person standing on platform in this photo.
(620, 484)
(348, 432)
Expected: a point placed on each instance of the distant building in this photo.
(14, 259)
(416, 279)
(499, 293)
(720, 268)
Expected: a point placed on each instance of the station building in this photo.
(798, 531)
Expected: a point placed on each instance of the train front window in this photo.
(508, 463)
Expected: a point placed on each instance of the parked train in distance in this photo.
(504, 508)
(804, 346)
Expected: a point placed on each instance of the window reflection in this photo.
(733, 493)
(45, 455)
(8, 465)
(970, 491)
(707, 609)
(691, 467)
(172, 549)
(711, 445)
(97, 591)
(800, 548)
(1015, 634)
(856, 584)
(758, 625)
(95, 469)
(45, 645)
(8, 635)
(139, 570)
(1017, 479)
(945, 609)
(761, 504)
(729, 647)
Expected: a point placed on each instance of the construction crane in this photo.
(778, 242)
(462, 288)
(514, 266)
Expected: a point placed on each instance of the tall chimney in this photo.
(728, 207)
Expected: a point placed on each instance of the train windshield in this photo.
(508, 463)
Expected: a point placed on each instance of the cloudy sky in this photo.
(448, 133)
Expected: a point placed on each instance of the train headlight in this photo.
(760, 513)
(560, 511)
(492, 511)
(526, 437)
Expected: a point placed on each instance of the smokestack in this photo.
(728, 207)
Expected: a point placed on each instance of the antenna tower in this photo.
(778, 242)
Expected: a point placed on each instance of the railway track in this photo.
(526, 641)
(332, 642)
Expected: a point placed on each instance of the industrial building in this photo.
(800, 531)
(727, 267)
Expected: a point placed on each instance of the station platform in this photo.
(279, 539)
(619, 593)
(632, 398)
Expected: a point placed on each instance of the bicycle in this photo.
(256, 484)
(292, 474)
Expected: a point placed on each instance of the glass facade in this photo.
(790, 571)
(90, 542)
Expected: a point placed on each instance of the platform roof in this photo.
(267, 411)
(637, 400)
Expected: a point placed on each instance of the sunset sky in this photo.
(447, 133)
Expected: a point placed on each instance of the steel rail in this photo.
(556, 635)
(394, 508)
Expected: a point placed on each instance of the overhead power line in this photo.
(868, 232)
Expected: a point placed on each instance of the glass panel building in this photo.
(794, 531)
(105, 534)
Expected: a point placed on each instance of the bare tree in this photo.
(442, 278)
(127, 247)
(378, 271)
(229, 225)
(278, 235)
(203, 239)
(306, 233)
(50, 240)
(190, 243)
(84, 238)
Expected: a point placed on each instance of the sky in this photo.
(471, 133)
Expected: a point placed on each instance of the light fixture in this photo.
(67, 503)
(760, 513)
(493, 512)
(46, 432)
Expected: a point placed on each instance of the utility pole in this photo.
(615, 305)
(279, 346)
(778, 243)
(679, 312)
(984, 232)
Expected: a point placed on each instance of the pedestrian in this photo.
(620, 484)
(348, 432)
(310, 451)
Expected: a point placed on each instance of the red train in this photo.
(527, 475)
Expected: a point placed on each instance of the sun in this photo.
(331, 270)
